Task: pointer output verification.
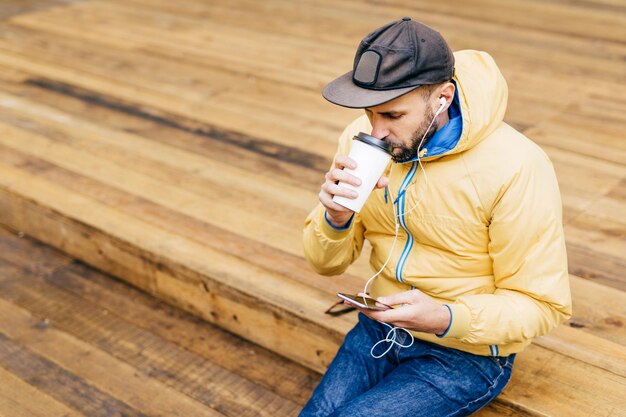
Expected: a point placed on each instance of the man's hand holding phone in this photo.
(412, 310)
(362, 301)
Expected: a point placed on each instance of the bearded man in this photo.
(476, 266)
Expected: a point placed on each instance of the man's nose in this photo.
(379, 130)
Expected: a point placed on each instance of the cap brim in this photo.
(344, 92)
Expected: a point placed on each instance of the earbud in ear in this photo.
(442, 104)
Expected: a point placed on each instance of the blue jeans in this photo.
(422, 380)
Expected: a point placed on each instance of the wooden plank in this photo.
(575, 343)
(280, 13)
(198, 9)
(529, 16)
(126, 150)
(563, 161)
(112, 376)
(26, 293)
(596, 266)
(133, 348)
(114, 116)
(601, 239)
(172, 325)
(549, 383)
(255, 68)
(497, 409)
(20, 399)
(583, 179)
(116, 25)
(24, 50)
(187, 23)
(586, 348)
(12, 75)
(11, 8)
(217, 209)
(248, 249)
(276, 374)
(30, 256)
(598, 309)
(261, 54)
(282, 98)
(59, 383)
(245, 248)
(514, 43)
(582, 133)
(213, 290)
(556, 379)
(182, 165)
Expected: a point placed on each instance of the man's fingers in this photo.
(393, 316)
(341, 175)
(335, 189)
(342, 161)
(406, 297)
(327, 201)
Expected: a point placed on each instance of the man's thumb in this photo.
(382, 182)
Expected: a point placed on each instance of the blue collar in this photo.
(446, 138)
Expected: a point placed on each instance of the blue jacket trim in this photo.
(400, 208)
(449, 325)
(494, 350)
(346, 227)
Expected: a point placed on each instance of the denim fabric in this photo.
(422, 380)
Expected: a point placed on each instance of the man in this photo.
(478, 268)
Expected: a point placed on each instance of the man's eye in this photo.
(394, 116)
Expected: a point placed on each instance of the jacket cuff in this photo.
(460, 319)
(335, 233)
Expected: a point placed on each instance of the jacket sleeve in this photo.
(327, 249)
(527, 248)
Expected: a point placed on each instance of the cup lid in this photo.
(371, 140)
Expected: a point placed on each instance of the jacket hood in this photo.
(483, 96)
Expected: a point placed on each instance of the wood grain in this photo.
(179, 146)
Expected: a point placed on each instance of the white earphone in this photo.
(442, 102)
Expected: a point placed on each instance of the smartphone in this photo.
(364, 302)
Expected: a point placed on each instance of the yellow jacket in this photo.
(486, 238)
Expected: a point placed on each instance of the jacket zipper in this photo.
(400, 207)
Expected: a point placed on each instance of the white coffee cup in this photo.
(372, 157)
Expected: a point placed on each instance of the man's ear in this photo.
(447, 91)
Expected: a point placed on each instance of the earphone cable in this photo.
(392, 334)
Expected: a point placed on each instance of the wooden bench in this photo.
(55, 310)
(76, 342)
(132, 138)
(256, 301)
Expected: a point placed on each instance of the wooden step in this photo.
(43, 294)
(244, 298)
(126, 349)
(132, 139)
(75, 339)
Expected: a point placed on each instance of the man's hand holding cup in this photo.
(349, 183)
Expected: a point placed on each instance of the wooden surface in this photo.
(179, 145)
(76, 342)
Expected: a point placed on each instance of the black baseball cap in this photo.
(392, 61)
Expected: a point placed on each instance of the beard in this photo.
(410, 151)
